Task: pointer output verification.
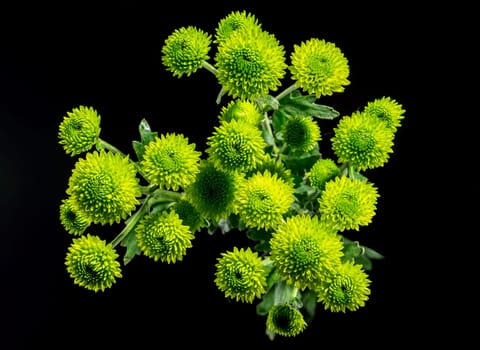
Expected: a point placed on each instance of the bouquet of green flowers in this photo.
(262, 173)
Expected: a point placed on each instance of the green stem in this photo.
(131, 223)
(210, 68)
(285, 92)
(162, 195)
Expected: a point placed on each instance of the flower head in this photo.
(72, 219)
(241, 110)
(233, 22)
(301, 133)
(319, 67)
(170, 161)
(362, 142)
(79, 130)
(250, 63)
(213, 191)
(348, 289)
(241, 275)
(305, 250)
(185, 50)
(236, 145)
(163, 236)
(386, 109)
(322, 171)
(92, 263)
(348, 203)
(285, 320)
(104, 187)
(263, 199)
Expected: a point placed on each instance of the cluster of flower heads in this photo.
(262, 173)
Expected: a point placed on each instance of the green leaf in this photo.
(278, 119)
(365, 261)
(263, 246)
(267, 103)
(258, 234)
(296, 104)
(266, 304)
(146, 136)
(130, 242)
(372, 254)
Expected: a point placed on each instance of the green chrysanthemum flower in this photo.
(72, 219)
(241, 110)
(164, 237)
(250, 63)
(285, 320)
(79, 130)
(170, 161)
(92, 263)
(189, 214)
(213, 191)
(362, 142)
(233, 22)
(241, 275)
(322, 171)
(263, 199)
(386, 109)
(275, 166)
(185, 50)
(104, 187)
(319, 67)
(236, 146)
(301, 133)
(305, 250)
(347, 290)
(348, 203)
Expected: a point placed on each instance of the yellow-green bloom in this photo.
(348, 289)
(304, 250)
(250, 63)
(104, 187)
(348, 203)
(79, 130)
(301, 133)
(362, 142)
(322, 171)
(213, 191)
(92, 263)
(163, 236)
(233, 22)
(170, 161)
(263, 199)
(241, 275)
(319, 67)
(386, 109)
(189, 214)
(185, 50)
(236, 145)
(72, 219)
(285, 320)
(241, 110)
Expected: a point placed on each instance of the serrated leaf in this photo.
(267, 102)
(130, 242)
(296, 104)
(373, 254)
(365, 261)
(139, 149)
(146, 133)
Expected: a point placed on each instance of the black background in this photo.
(55, 58)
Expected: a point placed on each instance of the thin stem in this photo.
(285, 92)
(210, 68)
(131, 223)
(162, 195)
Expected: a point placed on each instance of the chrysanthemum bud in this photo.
(185, 50)
(285, 320)
(322, 171)
(72, 219)
(79, 130)
(386, 109)
(348, 289)
(241, 110)
(170, 161)
(319, 67)
(233, 22)
(164, 237)
(301, 133)
(92, 263)
(241, 275)
(104, 187)
(348, 203)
